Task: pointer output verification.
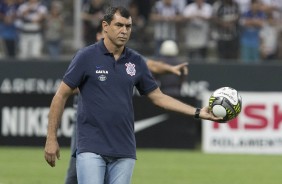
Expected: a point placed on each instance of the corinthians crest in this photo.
(130, 69)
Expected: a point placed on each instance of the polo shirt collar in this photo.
(106, 52)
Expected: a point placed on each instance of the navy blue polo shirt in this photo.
(105, 122)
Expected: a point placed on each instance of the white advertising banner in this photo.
(257, 130)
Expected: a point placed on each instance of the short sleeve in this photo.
(76, 71)
(146, 83)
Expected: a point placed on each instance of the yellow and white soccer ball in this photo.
(226, 103)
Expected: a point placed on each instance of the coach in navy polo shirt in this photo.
(106, 74)
(108, 98)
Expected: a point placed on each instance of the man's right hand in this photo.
(52, 151)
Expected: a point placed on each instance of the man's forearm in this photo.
(55, 114)
(170, 103)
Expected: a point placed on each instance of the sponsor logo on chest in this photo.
(102, 72)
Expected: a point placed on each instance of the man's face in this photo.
(119, 30)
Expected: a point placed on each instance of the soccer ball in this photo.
(225, 102)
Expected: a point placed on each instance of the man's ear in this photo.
(105, 26)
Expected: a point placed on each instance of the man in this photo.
(197, 17)
(92, 13)
(226, 17)
(158, 67)
(106, 74)
(164, 15)
(9, 32)
(251, 23)
(31, 15)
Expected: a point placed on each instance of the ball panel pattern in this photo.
(222, 96)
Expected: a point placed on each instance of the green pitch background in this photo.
(22, 165)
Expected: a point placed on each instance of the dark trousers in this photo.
(228, 49)
(10, 46)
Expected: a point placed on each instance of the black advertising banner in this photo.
(243, 77)
(26, 90)
(158, 128)
(24, 120)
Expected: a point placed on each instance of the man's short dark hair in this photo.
(109, 15)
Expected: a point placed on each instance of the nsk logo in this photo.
(256, 117)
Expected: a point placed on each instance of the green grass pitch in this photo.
(24, 165)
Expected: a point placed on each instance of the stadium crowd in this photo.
(247, 31)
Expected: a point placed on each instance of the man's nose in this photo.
(124, 29)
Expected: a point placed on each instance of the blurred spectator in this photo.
(124, 3)
(226, 16)
(2, 49)
(54, 29)
(8, 32)
(274, 7)
(170, 83)
(145, 8)
(32, 15)
(197, 16)
(138, 27)
(279, 46)
(92, 12)
(180, 4)
(164, 16)
(207, 1)
(47, 3)
(19, 2)
(244, 5)
(252, 22)
(269, 38)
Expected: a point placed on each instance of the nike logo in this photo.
(146, 123)
(99, 67)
